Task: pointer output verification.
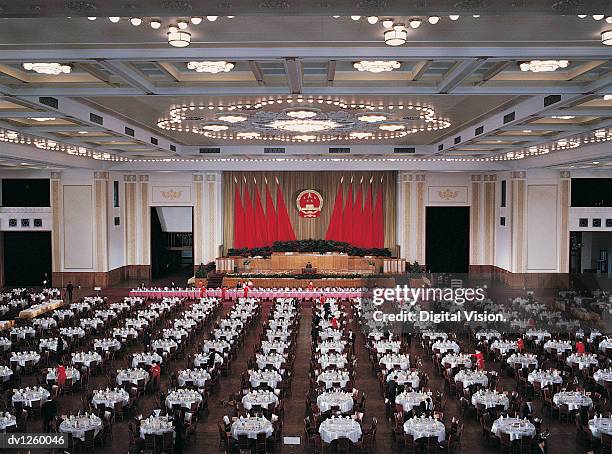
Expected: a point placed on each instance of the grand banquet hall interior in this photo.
(296, 227)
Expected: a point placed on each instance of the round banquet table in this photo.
(384, 346)
(27, 396)
(402, 377)
(132, 376)
(392, 360)
(269, 377)
(274, 346)
(410, 400)
(600, 425)
(602, 376)
(523, 360)
(545, 377)
(453, 360)
(446, 346)
(573, 399)
(5, 373)
(504, 346)
(488, 334)
(146, 358)
(471, 377)
(583, 360)
(71, 373)
(331, 346)
(515, 427)
(7, 420)
(196, 376)
(22, 358)
(251, 427)
(109, 397)
(273, 359)
(490, 399)
(329, 377)
(344, 427)
(107, 344)
(330, 399)
(86, 358)
(155, 425)
(558, 346)
(425, 427)
(78, 425)
(265, 399)
(183, 397)
(333, 359)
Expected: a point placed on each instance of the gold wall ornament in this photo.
(309, 203)
(171, 194)
(447, 194)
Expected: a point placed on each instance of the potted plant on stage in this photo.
(200, 276)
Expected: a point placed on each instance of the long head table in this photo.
(233, 294)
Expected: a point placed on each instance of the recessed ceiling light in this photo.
(607, 97)
(83, 132)
(563, 117)
(598, 16)
(212, 18)
(182, 24)
(582, 16)
(415, 23)
(155, 23)
(595, 162)
(609, 19)
(355, 17)
(92, 18)
(136, 21)
(376, 66)
(453, 17)
(475, 16)
(527, 131)
(335, 17)
(433, 20)
(114, 19)
(212, 67)
(387, 23)
(372, 19)
(372, 118)
(196, 20)
(41, 119)
(230, 17)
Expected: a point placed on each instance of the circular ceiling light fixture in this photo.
(376, 66)
(212, 18)
(232, 118)
(355, 17)
(372, 118)
(392, 127)
(301, 113)
(196, 20)
(387, 23)
(212, 67)
(91, 18)
(415, 22)
(305, 137)
(372, 19)
(454, 17)
(179, 38)
(607, 97)
(155, 24)
(182, 24)
(53, 69)
(538, 66)
(396, 36)
(303, 125)
(114, 19)
(136, 21)
(433, 20)
(606, 38)
(360, 135)
(248, 135)
(215, 127)
(598, 16)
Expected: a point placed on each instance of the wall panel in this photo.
(78, 227)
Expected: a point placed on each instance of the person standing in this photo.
(146, 338)
(69, 290)
(520, 344)
(49, 411)
(61, 377)
(179, 430)
(59, 349)
(580, 347)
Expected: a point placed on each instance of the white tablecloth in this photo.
(517, 428)
(196, 376)
(425, 427)
(79, 425)
(269, 377)
(402, 377)
(600, 425)
(391, 360)
(331, 399)
(545, 378)
(573, 399)
(251, 427)
(265, 399)
(472, 377)
(110, 397)
(490, 399)
(410, 400)
(333, 428)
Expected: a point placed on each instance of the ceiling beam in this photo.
(168, 70)
(60, 128)
(28, 114)
(257, 72)
(420, 69)
(132, 77)
(543, 127)
(495, 70)
(578, 112)
(295, 77)
(95, 72)
(458, 74)
(331, 72)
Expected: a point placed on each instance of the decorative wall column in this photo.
(475, 228)
(564, 205)
(404, 215)
(420, 218)
(213, 211)
(518, 187)
(56, 233)
(131, 220)
(489, 219)
(100, 221)
(144, 221)
(198, 221)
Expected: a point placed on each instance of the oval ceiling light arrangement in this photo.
(376, 66)
(53, 69)
(212, 67)
(539, 66)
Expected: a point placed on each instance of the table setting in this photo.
(197, 377)
(335, 398)
(472, 377)
(515, 427)
(340, 427)
(251, 426)
(573, 399)
(490, 399)
(21, 358)
(412, 399)
(30, 394)
(264, 399)
(424, 427)
(79, 424)
(132, 376)
(183, 397)
(109, 397)
(87, 359)
(264, 376)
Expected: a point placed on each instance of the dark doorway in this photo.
(27, 258)
(447, 244)
(172, 243)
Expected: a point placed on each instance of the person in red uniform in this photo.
(520, 344)
(334, 323)
(246, 290)
(61, 376)
(479, 356)
(310, 286)
(580, 347)
(155, 375)
(223, 293)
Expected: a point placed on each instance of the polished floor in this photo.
(207, 441)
